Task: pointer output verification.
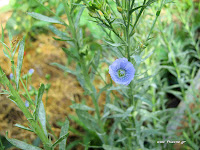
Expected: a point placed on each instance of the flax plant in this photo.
(119, 20)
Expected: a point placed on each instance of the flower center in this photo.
(121, 73)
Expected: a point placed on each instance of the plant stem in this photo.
(128, 51)
(29, 97)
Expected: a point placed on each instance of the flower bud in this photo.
(119, 9)
(92, 14)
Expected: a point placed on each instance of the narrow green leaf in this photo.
(42, 117)
(64, 39)
(190, 142)
(43, 18)
(78, 122)
(10, 37)
(2, 36)
(64, 68)
(114, 108)
(69, 53)
(95, 63)
(103, 89)
(60, 140)
(137, 59)
(108, 147)
(19, 61)
(57, 32)
(88, 120)
(81, 107)
(22, 145)
(78, 17)
(136, 8)
(113, 44)
(4, 44)
(150, 2)
(64, 131)
(23, 127)
(39, 99)
(150, 53)
(143, 99)
(128, 111)
(73, 144)
(144, 79)
(13, 53)
(116, 88)
(6, 54)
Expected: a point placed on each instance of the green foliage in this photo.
(164, 51)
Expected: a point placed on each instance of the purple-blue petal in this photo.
(123, 64)
(31, 71)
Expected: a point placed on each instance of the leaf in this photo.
(69, 53)
(73, 144)
(42, 117)
(144, 79)
(10, 37)
(150, 53)
(39, 99)
(134, 9)
(79, 123)
(113, 44)
(150, 2)
(2, 36)
(95, 65)
(22, 145)
(6, 54)
(13, 53)
(148, 132)
(168, 1)
(19, 61)
(119, 22)
(137, 59)
(64, 39)
(78, 17)
(43, 18)
(103, 89)
(88, 120)
(128, 111)
(81, 107)
(64, 68)
(114, 108)
(113, 88)
(60, 140)
(64, 131)
(144, 99)
(4, 44)
(108, 147)
(23, 127)
(57, 32)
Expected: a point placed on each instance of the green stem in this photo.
(154, 22)
(128, 51)
(29, 97)
(89, 86)
(137, 18)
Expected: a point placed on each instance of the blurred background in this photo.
(177, 35)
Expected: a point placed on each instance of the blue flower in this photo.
(11, 76)
(122, 71)
(31, 71)
(26, 103)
